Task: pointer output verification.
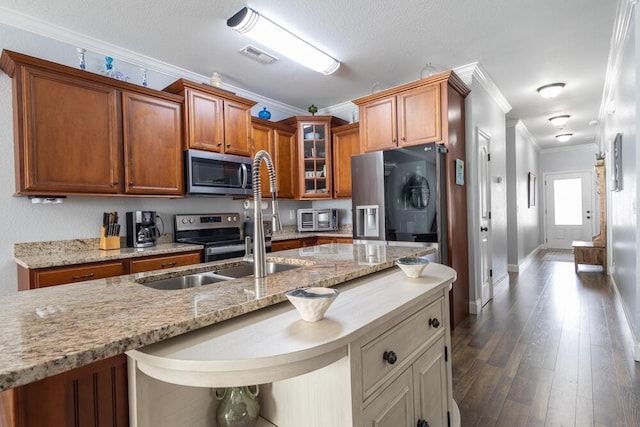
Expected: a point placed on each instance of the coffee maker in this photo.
(141, 229)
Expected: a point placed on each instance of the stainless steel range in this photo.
(220, 233)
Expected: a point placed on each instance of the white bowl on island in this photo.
(413, 266)
(313, 302)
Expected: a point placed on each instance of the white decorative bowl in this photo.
(412, 266)
(312, 303)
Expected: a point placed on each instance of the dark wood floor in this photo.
(551, 349)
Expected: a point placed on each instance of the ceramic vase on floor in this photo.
(237, 407)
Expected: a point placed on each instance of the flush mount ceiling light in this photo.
(550, 91)
(564, 137)
(248, 21)
(559, 121)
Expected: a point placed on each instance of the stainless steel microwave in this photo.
(317, 219)
(216, 174)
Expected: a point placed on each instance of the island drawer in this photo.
(167, 261)
(396, 348)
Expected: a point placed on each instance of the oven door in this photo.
(217, 253)
(217, 174)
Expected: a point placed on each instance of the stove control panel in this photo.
(207, 221)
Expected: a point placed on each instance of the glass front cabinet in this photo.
(314, 155)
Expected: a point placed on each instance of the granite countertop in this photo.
(291, 232)
(47, 331)
(80, 251)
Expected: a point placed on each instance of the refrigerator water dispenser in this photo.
(367, 221)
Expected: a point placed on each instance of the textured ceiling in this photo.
(522, 44)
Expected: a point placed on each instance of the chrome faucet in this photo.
(259, 251)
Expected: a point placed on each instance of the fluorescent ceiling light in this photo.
(248, 21)
(564, 137)
(550, 91)
(559, 121)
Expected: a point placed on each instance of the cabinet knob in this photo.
(228, 145)
(395, 141)
(403, 138)
(434, 322)
(219, 144)
(423, 423)
(390, 357)
(116, 182)
(131, 183)
(484, 229)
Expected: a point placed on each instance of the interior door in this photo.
(484, 194)
(569, 208)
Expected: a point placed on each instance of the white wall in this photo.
(485, 110)
(621, 115)
(524, 222)
(79, 217)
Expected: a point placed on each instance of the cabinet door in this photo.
(237, 128)
(93, 395)
(70, 130)
(394, 406)
(321, 240)
(286, 171)
(263, 140)
(315, 160)
(139, 265)
(346, 143)
(431, 390)
(419, 116)
(378, 129)
(153, 145)
(76, 273)
(204, 123)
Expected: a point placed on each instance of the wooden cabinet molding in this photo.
(214, 119)
(68, 126)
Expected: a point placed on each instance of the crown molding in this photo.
(63, 35)
(624, 14)
(475, 71)
(522, 128)
(578, 147)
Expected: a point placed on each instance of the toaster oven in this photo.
(316, 219)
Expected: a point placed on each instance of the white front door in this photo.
(484, 192)
(569, 209)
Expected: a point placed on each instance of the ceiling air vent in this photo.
(258, 54)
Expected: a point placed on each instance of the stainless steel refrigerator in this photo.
(398, 197)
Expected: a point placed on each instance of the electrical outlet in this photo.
(292, 214)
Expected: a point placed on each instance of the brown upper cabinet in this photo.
(280, 142)
(314, 160)
(412, 114)
(346, 143)
(81, 133)
(214, 119)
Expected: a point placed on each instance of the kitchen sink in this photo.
(184, 282)
(246, 269)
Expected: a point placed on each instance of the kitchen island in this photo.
(47, 331)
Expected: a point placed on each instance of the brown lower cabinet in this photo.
(303, 242)
(51, 276)
(93, 395)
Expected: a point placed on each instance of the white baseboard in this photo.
(512, 268)
(500, 282)
(636, 343)
(475, 307)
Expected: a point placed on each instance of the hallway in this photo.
(552, 349)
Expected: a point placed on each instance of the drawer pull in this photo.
(434, 322)
(84, 276)
(390, 357)
(423, 423)
(168, 264)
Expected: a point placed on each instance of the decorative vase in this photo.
(313, 110)
(81, 62)
(237, 407)
(264, 114)
(216, 80)
(599, 162)
(111, 72)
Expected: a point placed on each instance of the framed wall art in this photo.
(616, 173)
(531, 190)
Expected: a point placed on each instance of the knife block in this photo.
(108, 242)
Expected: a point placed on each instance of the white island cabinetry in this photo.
(378, 358)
